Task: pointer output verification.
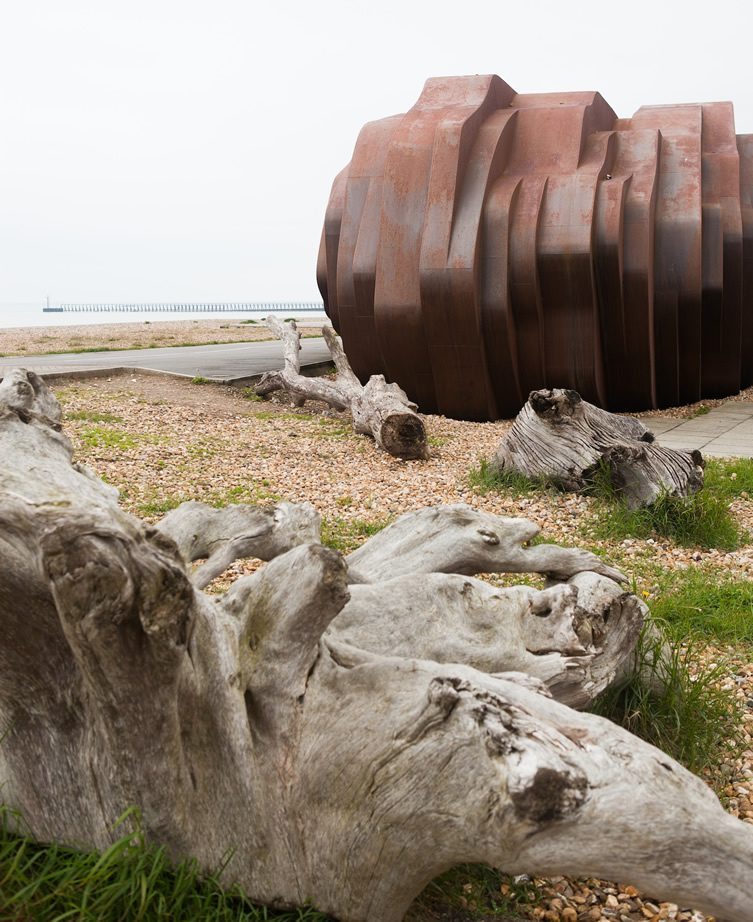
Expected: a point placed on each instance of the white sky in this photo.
(178, 150)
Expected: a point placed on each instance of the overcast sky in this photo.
(178, 150)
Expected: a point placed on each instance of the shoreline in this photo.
(139, 334)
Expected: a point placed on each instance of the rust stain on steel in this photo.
(488, 243)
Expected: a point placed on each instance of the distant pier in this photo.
(187, 308)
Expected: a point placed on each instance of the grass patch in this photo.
(729, 479)
(248, 321)
(200, 379)
(92, 416)
(206, 448)
(674, 702)
(81, 349)
(345, 535)
(160, 507)
(252, 493)
(331, 428)
(700, 520)
(102, 437)
(321, 427)
(475, 888)
(707, 603)
(250, 394)
(486, 479)
(271, 414)
(130, 880)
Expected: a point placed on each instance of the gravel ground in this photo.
(161, 441)
(138, 335)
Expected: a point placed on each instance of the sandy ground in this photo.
(143, 334)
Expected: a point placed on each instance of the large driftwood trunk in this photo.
(560, 437)
(379, 409)
(258, 721)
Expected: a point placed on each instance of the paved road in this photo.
(226, 362)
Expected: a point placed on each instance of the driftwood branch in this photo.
(254, 722)
(460, 539)
(225, 535)
(379, 409)
(560, 437)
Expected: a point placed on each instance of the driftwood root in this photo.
(312, 719)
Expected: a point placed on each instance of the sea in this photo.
(33, 314)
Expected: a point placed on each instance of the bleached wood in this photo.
(339, 776)
(461, 539)
(576, 637)
(379, 409)
(559, 436)
(237, 531)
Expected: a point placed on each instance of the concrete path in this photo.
(725, 431)
(229, 362)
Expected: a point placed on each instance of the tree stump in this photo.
(559, 437)
(379, 409)
(260, 722)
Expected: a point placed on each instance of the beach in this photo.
(143, 334)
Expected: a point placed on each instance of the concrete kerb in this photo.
(314, 370)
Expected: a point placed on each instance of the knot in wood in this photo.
(488, 536)
(551, 796)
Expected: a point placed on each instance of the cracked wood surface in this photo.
(560, 437)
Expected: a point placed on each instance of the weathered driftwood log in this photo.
(379, 409)
(340, 776)
(560, 437)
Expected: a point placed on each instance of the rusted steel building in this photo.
(488, 243)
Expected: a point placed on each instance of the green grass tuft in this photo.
(252, 493)
(674, 702)
(486, 479)
(94, 417)
(199, 379)
(160, 507)
(102, 437)
(700, 520)
(129, 881)
(707, 602)
(345, 535)
(475, 891)
(729, 479)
